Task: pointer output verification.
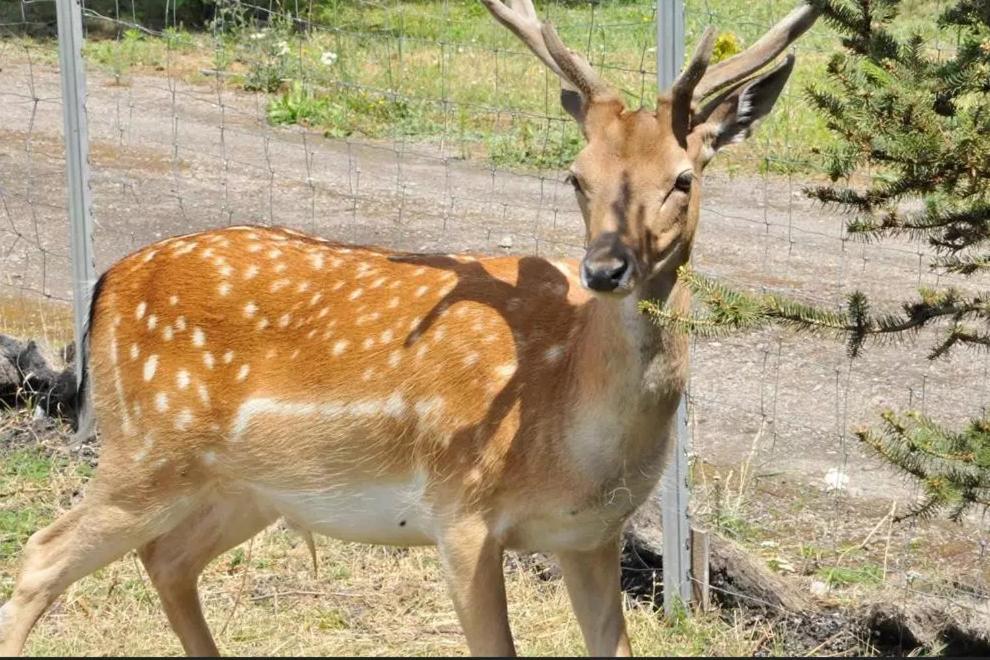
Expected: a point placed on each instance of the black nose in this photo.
(605, 274)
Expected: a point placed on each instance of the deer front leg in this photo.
(592, 580)
(472, 561)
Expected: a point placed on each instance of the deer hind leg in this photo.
(95, 532)
(175, 559)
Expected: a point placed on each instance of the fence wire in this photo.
(426, 126)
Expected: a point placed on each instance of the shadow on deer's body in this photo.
(246, 374)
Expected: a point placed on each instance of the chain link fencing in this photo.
(425, 126)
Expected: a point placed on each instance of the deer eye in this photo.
(573, 180)
(684, 180)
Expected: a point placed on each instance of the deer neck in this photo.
(627, 349)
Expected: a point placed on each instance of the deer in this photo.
(479, 404)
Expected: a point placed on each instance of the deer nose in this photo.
(605, 274)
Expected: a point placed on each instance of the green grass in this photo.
(444, 70)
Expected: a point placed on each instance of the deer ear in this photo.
(732, 116)
(572, 101)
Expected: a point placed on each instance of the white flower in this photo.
(328, 58)
(283, 48)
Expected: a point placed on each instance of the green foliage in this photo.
(916, 117)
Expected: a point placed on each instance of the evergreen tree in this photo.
(920, 121)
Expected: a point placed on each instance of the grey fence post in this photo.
(73, 78)
(674, 494)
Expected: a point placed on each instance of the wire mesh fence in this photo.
(425, 126)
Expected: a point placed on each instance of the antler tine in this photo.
(693, 73)
(576, 69)
(759, 54)
(521, 18)
(522, 21)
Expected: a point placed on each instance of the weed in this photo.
(839, 576)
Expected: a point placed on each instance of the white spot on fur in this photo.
(367, 343)
(355, 294)
(161, 402)
(302, 287)
(274, 253)
(135, 351)
(284, 320)
(250, 309)
(182, 379)
(224, 288)
(316, 260)
(377, 283)
(315, 299)
(173, 300)
(150, 367)
(146, 446)
(505, 370)
(294, 355)
(255, 247)
(209, 457)
(228, 357)
(180, 324)
(429, 407)
(262, 324)
(280, 267)
(278, 285)
(167, 333)
(184, 420)
(394, 358)
(141, 309)
(204, 394)
(386, 336)
(553, 354)
(208, 360)
(251, 271)
(393, 303)
(470, 359)
(419, 271)
(368, 374)
(421, 291)
(243, 372)
(198, 337)
(340, 346)
(394, 406)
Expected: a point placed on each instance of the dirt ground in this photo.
(170, 157)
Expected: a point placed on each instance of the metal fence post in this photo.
(674, 492)
(73, 79)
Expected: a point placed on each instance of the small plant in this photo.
(726, 45)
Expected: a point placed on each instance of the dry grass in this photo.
(32, 317)
(265, 600)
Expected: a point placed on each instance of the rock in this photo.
(27, 375)
(819, 588)
(505, 241)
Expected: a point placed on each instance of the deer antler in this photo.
(541, 38)
(761, 53)
(697, 81)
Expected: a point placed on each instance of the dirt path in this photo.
(170, 158)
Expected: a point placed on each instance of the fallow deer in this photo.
(479, 404)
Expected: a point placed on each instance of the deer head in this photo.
(637, 180)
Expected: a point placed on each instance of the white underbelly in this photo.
(389, 513)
